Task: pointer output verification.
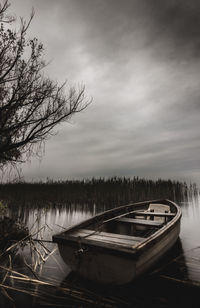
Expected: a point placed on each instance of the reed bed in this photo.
(112, 191)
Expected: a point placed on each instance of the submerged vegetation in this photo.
(112, 191)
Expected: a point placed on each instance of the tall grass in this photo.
(112, 191)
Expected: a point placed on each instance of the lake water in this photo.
(52, 220)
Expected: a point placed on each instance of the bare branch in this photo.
(31, 105)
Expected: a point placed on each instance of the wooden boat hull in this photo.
(112, 266)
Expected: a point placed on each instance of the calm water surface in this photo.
(52, 221)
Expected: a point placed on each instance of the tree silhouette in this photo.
(31, 105)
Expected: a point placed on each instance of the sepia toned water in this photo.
(181, 264)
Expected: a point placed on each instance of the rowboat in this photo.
(118, 245)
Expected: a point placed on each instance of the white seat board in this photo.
(143, 222)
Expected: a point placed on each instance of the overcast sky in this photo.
(140, 61)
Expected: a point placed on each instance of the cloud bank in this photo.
(139, 60)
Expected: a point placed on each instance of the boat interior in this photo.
(127, 229)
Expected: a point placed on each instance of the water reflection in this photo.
(181, 263)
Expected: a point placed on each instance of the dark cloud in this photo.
(109, 26)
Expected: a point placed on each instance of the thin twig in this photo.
(30, 268)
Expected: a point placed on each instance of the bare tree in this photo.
(31, 105)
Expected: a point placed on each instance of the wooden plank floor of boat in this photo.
(107, 237)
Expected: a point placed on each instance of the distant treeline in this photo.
(112, 191)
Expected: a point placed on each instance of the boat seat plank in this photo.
(143, 222)
(107, 237)
(154, 214)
